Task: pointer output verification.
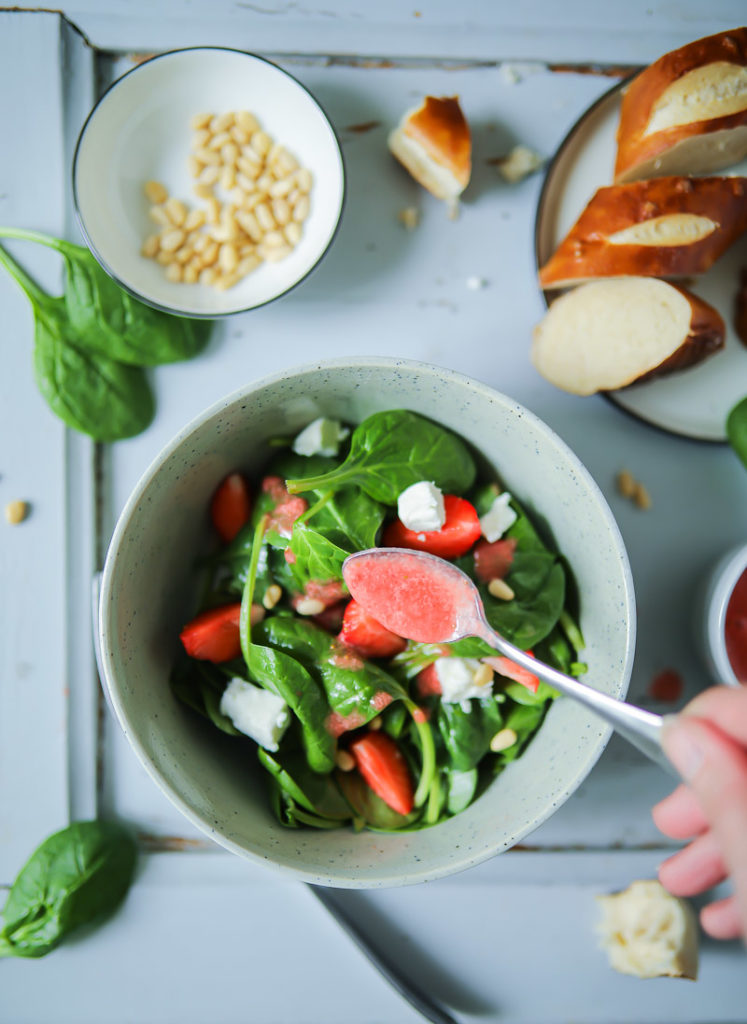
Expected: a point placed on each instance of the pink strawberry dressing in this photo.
(414, 596)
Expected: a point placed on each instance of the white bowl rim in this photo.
(412, 876)
(725, 575)
(177, 310)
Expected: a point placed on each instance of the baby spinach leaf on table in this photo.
(736, 430)
(467, 734)
(112, 322)
(91, 393)
(391, 450)
(74, 877)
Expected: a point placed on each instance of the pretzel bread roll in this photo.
(664, 227)
(687, 112)
(609, 334)
(435, 145)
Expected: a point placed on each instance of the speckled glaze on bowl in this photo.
(145, 599)
(714, 601)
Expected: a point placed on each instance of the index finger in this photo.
(725, 707)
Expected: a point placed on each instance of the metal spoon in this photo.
(425, 598)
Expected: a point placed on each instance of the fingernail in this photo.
(681, 747)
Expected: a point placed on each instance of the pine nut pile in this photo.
(255, 201)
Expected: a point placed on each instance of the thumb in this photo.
(714, 767)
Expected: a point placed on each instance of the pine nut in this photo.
(151, 245)
(213, 210)
(209, 175)
(247, 121)
(344, 760)
(272, 595)
(500, 590)
(194, 219)
(245, 182)
(304, 179)
(248, 264)
(626, 483)
(376, 723)
(164, 258)
(281, 211)
(261, 142)
(274, 239)
(239, 135)
(286, 163)
(155, 192)
(203, 190)
(265, 182)
(483, 676)
(16, 511)
(294, 195)
(641, 496)
(176, 211)
(194, 166)
(252, 201)
(200, 121)
(225, 282)
(174, 273)
(264, 216)
(281, 189)
(171, 240)
(250, 225)
(222, 121)
(210, 254)
(184, 254)
(301, 209)
(200, 242)
(201, 138)
(293, 233)
(207, 156)
(228, 257)
(228, 178)
(229, 152)
(309, 606)
(502, 740)
(207, 276)
(190, 274)
(274, 255)
(159, 215)
(219, 141)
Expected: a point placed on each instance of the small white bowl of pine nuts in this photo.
(208, 181)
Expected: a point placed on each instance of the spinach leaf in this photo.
(393, 449)
(461, 789)
(74, 877)
(200, 686)
(467, 734)
(524, 719)
(109, 320)
(736, 429)
(91, 393)
(369, 808)
(317, 793)
(315, 556)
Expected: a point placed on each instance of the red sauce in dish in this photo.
(735, 629)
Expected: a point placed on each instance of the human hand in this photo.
(707, 743)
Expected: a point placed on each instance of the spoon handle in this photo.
(639, 727)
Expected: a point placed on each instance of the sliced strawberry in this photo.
(509, 669)
(427, 682)
(367, 636)
(384, 768)
(214, 635)
(231, 506)
(493, 560)
(455, 538)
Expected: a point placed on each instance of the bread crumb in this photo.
(520, 162)
(641, 496)
(629, 487)
(16, 512)
(409, 217)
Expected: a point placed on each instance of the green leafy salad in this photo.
(353, 724)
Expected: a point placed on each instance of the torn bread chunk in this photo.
(609, 334)
(687, 112)
(649, 933)
(663, 227)
(434, 143)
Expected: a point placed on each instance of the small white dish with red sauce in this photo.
(724, 618)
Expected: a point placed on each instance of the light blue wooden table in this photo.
(205, 938)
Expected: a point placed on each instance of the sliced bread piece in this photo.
(435, 145)
(663, 227)
(687, 112)
(609, 334)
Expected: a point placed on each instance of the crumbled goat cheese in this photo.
(321, 437)
(462, 679)
(421, 507)
(519, 163)
(256, 712)
(498, 518)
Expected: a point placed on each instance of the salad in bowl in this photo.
(353, 724)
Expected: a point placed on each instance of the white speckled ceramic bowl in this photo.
(715, 596)
(145, 600)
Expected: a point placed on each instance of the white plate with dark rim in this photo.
(695, 402)
(140, 130)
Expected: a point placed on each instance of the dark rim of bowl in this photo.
(538, 219)
(123, 284)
